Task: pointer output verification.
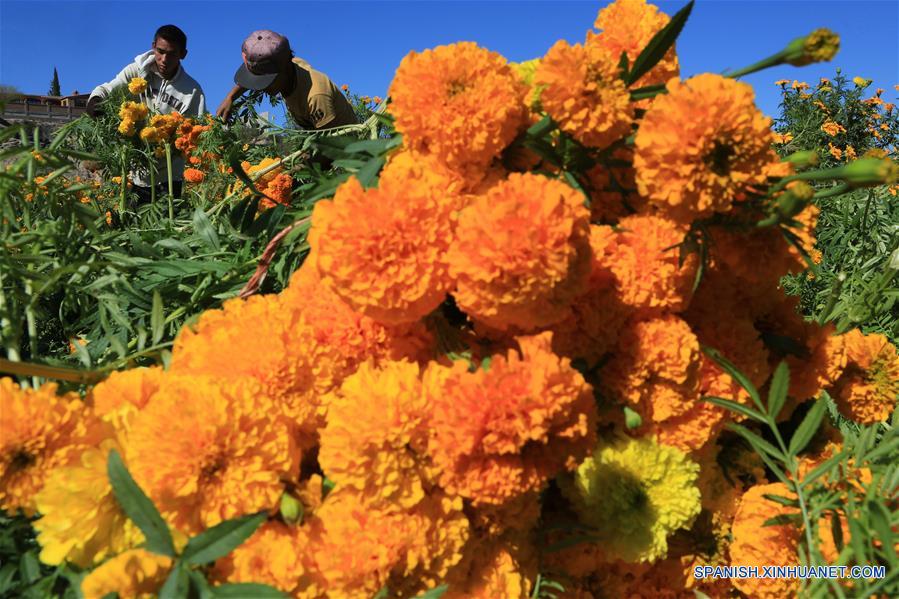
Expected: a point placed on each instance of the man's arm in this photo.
(224, 109)
(104, 89)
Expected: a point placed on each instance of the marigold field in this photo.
(566, 328)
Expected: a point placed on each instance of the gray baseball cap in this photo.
(263, 53)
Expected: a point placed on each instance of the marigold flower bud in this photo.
(820, 45)
(870, 172)
(803, 159)
(291, 508)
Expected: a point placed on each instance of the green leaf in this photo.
(368, 174)
(782, 520)
(780, 499)
(659, 44)
(205, 230)
(246, 590)
(434, 593)
(139, 508)
(822, 468)
(30, 567)
(221, 539)
(157, 318)
(808, 427)
(541, 127)
(732, 370)
(199, 583)
(176, 585)
(880, 522)
(733, 406)
(780, 386)
(761, 446)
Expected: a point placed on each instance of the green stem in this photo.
(8, 335)
(771, 61)
(123, 189)
(833, 191)
(32, 331)
(168, 164)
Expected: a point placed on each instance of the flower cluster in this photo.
(478, 357)
(131, 114)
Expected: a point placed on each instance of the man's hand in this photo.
(224, 109)
(92, 108)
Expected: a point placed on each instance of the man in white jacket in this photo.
(169, 89)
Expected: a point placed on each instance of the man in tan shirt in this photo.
(311, 97)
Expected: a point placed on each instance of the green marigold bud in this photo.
(820, 45)
(790, 203)
(803, 159)
(870, 172)
(291, 509)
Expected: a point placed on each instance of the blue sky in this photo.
(361, 43)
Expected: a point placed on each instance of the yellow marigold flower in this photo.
(460, 102)
(701, 146)
(134, 573)
(636, 493)
(375, 441)
(384, 250)
(782, 82)
(206, 450)
(526, 70)
(655, 368)
(122, 394)
(362, 548)
(276, 555)
(850, 153)
(820, 45)
(868, 389)
(861, 81)
(783, 138)
(628, 26)
(646, 261)
(832, 129)
(149, 134)
(504, 431)
(756, 545)
(137, 85)
(523, 253)
(39, 432)
(81, 521)
(598, 314)
(127, 128)
(582, 91)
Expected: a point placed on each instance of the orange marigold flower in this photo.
(835, 151)
(868, 388)
(459, 102)
(700, 146)
(505, 430)
(582, 91)
(375, 441)
(646, 261)
(122, 394)
(337, 339)
(275, 555)
(628, 26)
(655, 368)
(755, 544)
(192, 175)
(523, 253)
(39, 432)
(273, 352)
(384, 250)
(591, 330)
(361, 549)
(134, 573)
(832, 129)
(500, 569)
(783, 138)
(207, 450)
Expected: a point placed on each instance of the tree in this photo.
(54, 85)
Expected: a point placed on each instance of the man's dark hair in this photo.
(173, 35)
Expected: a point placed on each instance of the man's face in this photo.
(168, 57)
